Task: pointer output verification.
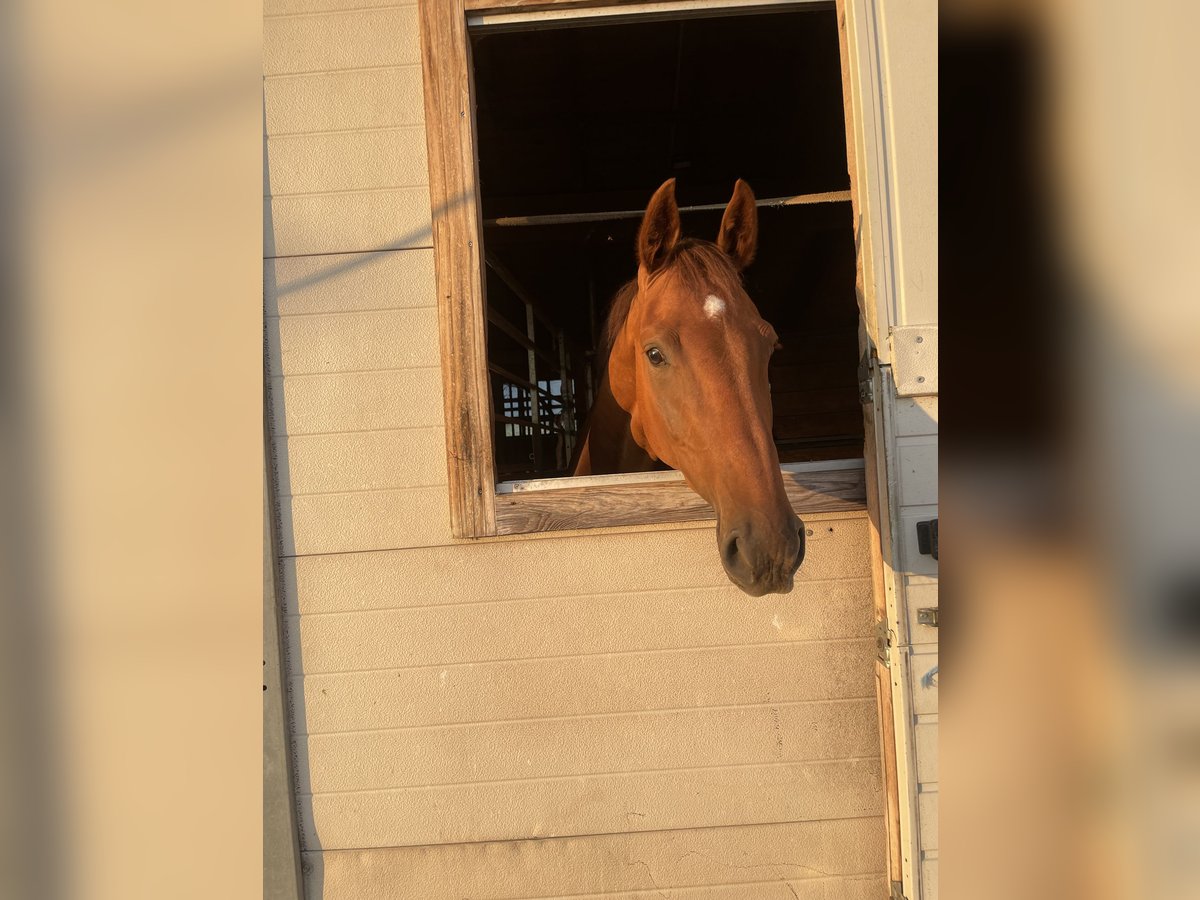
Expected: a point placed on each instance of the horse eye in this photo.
(655, 356)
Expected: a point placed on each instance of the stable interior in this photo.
(578, 124)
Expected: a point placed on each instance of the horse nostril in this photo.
(731, 549)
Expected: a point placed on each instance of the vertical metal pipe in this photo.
(533, 394)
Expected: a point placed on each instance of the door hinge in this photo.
(928, 615)
(883, 642)
(866, 378)
(897, 891)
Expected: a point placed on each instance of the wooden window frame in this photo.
(479, 507)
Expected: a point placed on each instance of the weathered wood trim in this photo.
(513, 6)
(537, 5)
(601, 506)
(458, 263)
(494, 5)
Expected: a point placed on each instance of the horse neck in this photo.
(608, 446)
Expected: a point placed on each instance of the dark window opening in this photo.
(591, 120)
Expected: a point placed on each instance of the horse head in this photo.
(689, 366)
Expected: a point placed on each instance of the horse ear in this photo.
(660, 228)
(738, 236)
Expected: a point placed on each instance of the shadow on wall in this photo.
(311, 865)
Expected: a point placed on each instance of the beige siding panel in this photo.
(917, 470)
(357, 401)
(342, 523)
(454, 634)
(926, 739)
(916, 416)
(363, 461)
(608, 562)
(353, 342)
(929, 879)
(306, 285)
(291, 7)
(342, 40)
(344, 101)
(577, 686)
(927, 802)
(925, 683)
(355, 222)
(595, 804)
(635, 742)
(834, 860)
(346, 161)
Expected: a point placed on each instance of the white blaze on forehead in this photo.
(713, 306)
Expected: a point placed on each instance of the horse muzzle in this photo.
(760, 559)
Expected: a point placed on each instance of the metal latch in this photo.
(927, 538)
(866, 391)
(883, 642)
(928, 615)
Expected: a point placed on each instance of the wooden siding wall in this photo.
(456, 703)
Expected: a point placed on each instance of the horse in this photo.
(685, 384)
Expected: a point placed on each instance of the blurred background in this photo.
(131, 449)
(1069, 259)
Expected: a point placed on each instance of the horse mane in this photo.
(699, 265)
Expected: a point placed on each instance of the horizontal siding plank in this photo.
(925, 683)
(341, 40)
(357, 401)
(300, 7)
(917, 471)
(927, 806)
(929, 879)
(345, 161)
(583, 686)
(343, 101)
(308, 285)
(916, 416)
(448, 635)
(845, 854)
(635, 742)
(528, 568)
(363, 461)
(307, 225)
(926, 739)
(855, 887)
(344, 523)
(352, 342)
(595, 804)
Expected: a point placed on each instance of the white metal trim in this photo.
(868, 96)
(901, 641)
(555, 484)
(915, 360)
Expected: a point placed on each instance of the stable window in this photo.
(548, 132)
